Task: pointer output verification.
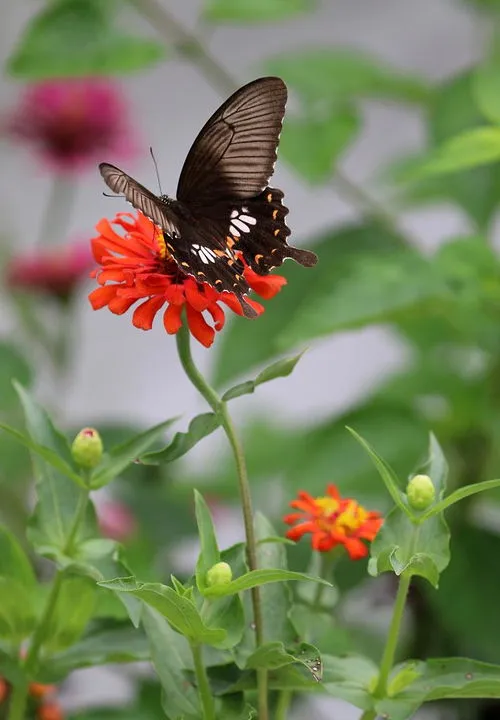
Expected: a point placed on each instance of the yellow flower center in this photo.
(162, 245)
(346, 521)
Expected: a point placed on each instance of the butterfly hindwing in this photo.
(234, 154)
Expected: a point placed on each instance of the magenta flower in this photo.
(72, 123)
(56, 271)
(116, 521)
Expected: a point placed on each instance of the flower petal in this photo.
(145, 313)
(198, 326)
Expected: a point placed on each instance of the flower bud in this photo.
(87, 448)
(219, 574)
(421, 492)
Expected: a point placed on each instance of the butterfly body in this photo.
(225, 210)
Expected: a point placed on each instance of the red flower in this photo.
(71, 123)
(56, 272)
(136, 266)
(333, 521)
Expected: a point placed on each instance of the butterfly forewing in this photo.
(234, 154)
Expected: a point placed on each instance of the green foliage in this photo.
(78, 38)
(72, 611)
(480, 146)
(254, 10)
(281, 368)
(199, 427)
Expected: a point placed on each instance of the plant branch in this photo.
(204, 691)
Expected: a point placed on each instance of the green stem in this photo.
(204, 691)
(392, 639)
(18, 702)
(220, 407)
(55, 219)
(368, 715)
(283, 704)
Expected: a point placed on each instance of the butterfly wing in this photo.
(234, 154)
(139, 196)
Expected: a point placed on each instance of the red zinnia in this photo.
(71, 123)
(333, 521)
(136, 266)
(56, 271)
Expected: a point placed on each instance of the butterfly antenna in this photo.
(156, 169)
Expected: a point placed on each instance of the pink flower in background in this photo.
(55, 271)
(115, 520)
(72, 123)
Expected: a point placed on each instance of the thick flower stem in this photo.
(57, 213)
(220, 407)
(18, 702)
(204, 691)
(392, 638)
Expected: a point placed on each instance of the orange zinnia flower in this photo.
(333, 521)
(135, 265)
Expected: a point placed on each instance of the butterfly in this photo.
(224, 209)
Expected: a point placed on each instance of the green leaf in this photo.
(199, 427)
(180, 612)
(14, 563)
(385, 471)
(12, 366)
(328, 74)
(254, 10)
(17, 610)
(480, 146)
(274, 655)
(364, 287)
(50, 456)
(350, 262)
(168, 654)
(209, 550)
(57, 497)
(402, 547)
(70, 38)
(226, 612)
(486, 88)
(74, 607)
(281, 368)
(256, 578)
(435, 466)
(116, 645)
(123, 455)
(313, 146)
(441, 678)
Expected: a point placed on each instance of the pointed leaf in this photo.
(209, 552)
(274, 655)
(74, 607)
(435, 466)
(179, 611)
(199, 427)
(123, 455)
(14, 563)
(256, 578)
(281, 368)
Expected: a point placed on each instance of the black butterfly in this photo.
(223, 202)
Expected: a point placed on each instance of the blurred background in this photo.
(402, 335)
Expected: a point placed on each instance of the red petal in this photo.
(355, 548)
(120, 305)
(100, 297)
(217, 314)
(198, 326)
(145, 314)
(267, 286)
(172, 319)
(194, 297)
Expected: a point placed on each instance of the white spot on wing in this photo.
(241, 225)
(248, 219)
(233, 231)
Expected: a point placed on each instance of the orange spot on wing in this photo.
(275, 214)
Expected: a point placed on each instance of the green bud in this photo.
(219, 574)
(87, 448)
(421, 492)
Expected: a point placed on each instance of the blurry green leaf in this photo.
(13, 366)
(435, 466)
(74, 607)
(479, 146)
(209, 550)
(14, 563)
(226, 612)
(486, 88)
(50, 456)
(441, 678)
(274, 655)
(454, 111)
(256, 578)
(17, 610)
(362, 286)
(348, 259)
(71, 38)
(402, 547)
(335, 75)
(179, 611)
(199, 427)
(121, 456)
(313, 146)
(281, 368)
(116, 645)
(168, 650)
(254, 10)
(57, 497)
